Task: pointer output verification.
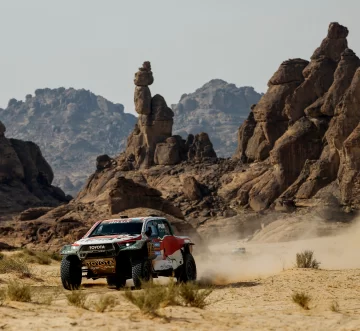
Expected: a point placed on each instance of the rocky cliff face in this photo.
(71, 127)
(216, 108)
(25, 176)
(306, 129)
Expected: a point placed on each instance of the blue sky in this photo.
(98, 45)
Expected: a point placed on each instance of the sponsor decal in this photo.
(101, 265)
(157, 244)
(95, 247)
(118, 221)
(157, 253)
(161, 226)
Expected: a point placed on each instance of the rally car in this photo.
(137, 248)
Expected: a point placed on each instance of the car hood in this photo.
(107, 239)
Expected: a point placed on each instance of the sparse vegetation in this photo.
(39, 257)
(153, 296)
(302, 299)
(335, 307)
(77, 298)
(150, 299)
(193, 296)
(105, 301)
(17, 291)
(1, 256)
(9, 264)
(306, 259)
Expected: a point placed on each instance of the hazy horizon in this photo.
(99, 46)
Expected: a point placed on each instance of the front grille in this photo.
(101, 250)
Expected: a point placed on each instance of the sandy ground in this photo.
(251, 292)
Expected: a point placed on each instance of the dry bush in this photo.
(306, 259)
(9, 264)
(172, 294)
(192, 295)
(150, 299)
(335, 307)
(105, 301)
(30, 256)
(17, 291)
(76, 298)
(302, 299)
(1, 256)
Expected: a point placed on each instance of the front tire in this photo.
(70, 271)
(187, 272)
(141, 272)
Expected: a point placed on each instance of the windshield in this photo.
(105, 229)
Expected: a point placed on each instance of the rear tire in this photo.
(187, 272)
(116, 281)
(141, 272)
(70, 271)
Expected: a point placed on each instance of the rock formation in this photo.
(25, 177)
(71, 127)
(216, 108)
(152, 142)
(305, 127)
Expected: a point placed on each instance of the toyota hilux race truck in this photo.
(137, 248)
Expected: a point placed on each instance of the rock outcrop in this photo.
(305, 127)
(216, 108)
(71, 127)
(25, 177)
(152, 142)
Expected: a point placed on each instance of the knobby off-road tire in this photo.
(141, 272)
(70, 271)
(187, 272)
(117, 281)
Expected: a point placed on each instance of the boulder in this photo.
(144, 76)
(201, 147)
(191, 188)
(126, 194)
(34, 213)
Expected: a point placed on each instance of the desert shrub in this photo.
(335, 307)
(17, 291)
(192, 295)
(104, 302)
(1, 256)
(306, 259)
(302, 299)
(76, 298)
(150, 299)
(30, 256)
(9, 264)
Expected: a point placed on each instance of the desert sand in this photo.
(251, 292)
